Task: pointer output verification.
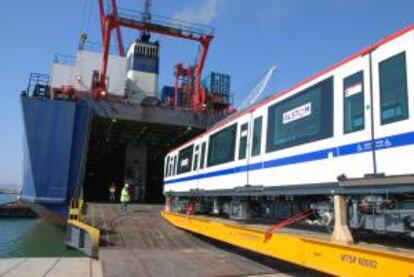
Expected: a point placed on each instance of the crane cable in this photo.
(86, 16)
(89, 15)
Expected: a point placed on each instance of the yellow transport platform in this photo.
(313, 252)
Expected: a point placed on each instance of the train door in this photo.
(202, 163)
(166, 167)
(393, 99)
(195, 169)
(353, 124)
(242, 153)
(256, 149)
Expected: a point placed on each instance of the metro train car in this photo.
(348, 130)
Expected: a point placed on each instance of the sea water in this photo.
(31, 237)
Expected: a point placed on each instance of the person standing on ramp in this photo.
(112, 191)
(125, 198)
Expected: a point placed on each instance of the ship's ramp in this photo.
(140, 243)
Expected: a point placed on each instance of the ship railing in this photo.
(94, 46)
(38, 86)
(64, 59)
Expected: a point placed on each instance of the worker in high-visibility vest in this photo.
(125, 198)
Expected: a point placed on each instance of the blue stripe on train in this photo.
(343, 150)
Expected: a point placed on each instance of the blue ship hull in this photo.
(75, 148)
(55, 146)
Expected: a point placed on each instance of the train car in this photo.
(348, 130)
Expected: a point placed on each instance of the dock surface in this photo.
(141, 243)
(50, 267)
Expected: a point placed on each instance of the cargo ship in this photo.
(98, 118)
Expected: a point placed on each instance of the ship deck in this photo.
(141, 243)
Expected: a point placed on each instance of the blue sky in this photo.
(301, 36)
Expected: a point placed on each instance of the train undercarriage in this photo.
(386, 214)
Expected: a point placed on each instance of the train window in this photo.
(166, 166)
(221, 146)
(170, 168)
(243, 141)
(302, 118)
(354, 102)
(175, 166)
(257, 136)
(195, 158)
(393, 89)
(203, 155)
(185, 157)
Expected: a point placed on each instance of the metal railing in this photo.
(38, 85)
(64, 59)
(173, 23)
(97, 47)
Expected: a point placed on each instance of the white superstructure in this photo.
(79, 73)
(134, 77)
(142, 73)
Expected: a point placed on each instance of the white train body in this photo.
(347, 130)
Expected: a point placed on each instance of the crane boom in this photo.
(258, 90)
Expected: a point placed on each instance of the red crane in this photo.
(115, 18)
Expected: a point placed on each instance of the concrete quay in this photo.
(50, 267)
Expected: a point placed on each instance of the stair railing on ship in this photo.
(38, 85)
